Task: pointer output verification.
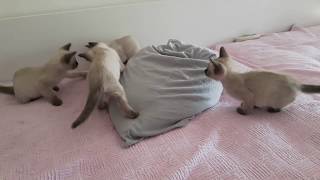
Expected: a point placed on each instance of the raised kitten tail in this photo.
(310, 88)
(7, 90)
(93, 97)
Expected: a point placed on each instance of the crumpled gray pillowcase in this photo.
(167, 90)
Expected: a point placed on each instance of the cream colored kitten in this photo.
(126, 47)
(103, 76)
(256, 88)
(34, 82)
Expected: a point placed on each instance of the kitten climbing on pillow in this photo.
(103, 76)
(256, 88)
(126, 47)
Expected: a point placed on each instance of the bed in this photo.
(37, 142)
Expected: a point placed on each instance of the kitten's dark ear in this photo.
(223, 52)
(66, 47)
(67, 57)
(91, 44)
(85, 56)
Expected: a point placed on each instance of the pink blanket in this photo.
(37, 142)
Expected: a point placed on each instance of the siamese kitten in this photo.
(126, 47)
(31, 83)
(103, 76)
(256, 88)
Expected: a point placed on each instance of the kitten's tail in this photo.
(306, 88)
(95, 91)
(7, 90)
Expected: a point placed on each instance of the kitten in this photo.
(256, 88)
(31, 83)
(126, 47)
(103, 76)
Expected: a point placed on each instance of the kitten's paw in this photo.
(273, 110)
(33, 99)
(132, 114)
(56, 88)
(103, 106)
(241, 111)
(83, 75)
(56, 102)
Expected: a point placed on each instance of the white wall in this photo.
(30, 36)
(18, 8)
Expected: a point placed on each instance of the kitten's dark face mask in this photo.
(70, 60)
(216, 69)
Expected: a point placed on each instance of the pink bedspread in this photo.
(37, 142)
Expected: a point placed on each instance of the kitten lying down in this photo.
(34, 82)
(256, 88)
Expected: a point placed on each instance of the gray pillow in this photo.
(167, 85)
